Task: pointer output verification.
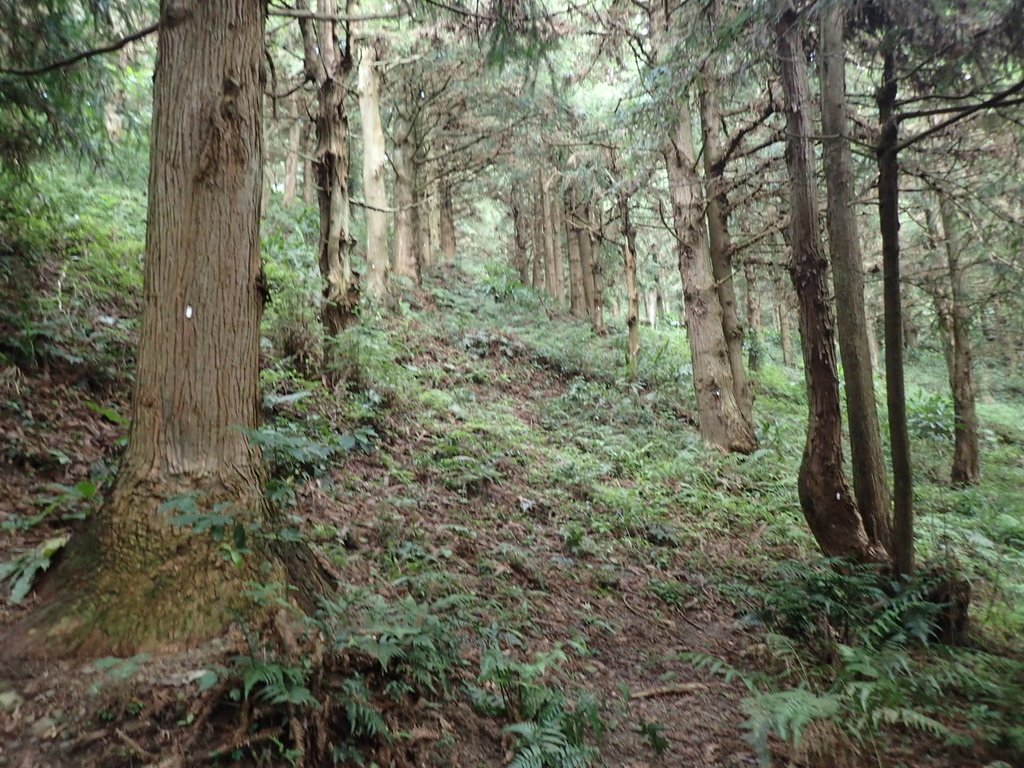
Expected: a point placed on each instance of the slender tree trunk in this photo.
(448, 245)
(870, 478)
(407, 259)
(755, 328)
(722, 423)
(556, 237)
(653, 300)
(291, 161)
(585, 242)
(719, 243)
(520, 233)
(632, 295)
(550, 279)
(966, 469)
(577, 298)
(827, 501)
(424, 206)
(889, 221)
(329, 69)
(308, 145)
(593, 243)
(377, 252)
(133, 580)
(538, 239)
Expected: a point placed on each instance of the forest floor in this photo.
(494, 477)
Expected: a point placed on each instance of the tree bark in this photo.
(448, 244)
(592, 244)
(755, 328)
(895, 388)
(632, 295)
(133, 580)
(538, 239)
(870, 478)
(585, 242)
(374, 191)
(577, 297)
(825, 496)
(719, 243)
(722, 423)
(520, 232)
(556, 238)
(966, 468)
(328, 68)
(407, 258)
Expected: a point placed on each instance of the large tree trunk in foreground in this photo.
(721, 421)
(825, 497)
(377, 255)
(870, 478)
(132, 580)
(966, 469)
(895, 388)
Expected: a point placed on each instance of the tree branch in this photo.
(82, 56)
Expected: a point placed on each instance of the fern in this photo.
(785, 714)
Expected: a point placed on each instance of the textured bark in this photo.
(632, 295)
(592, 245)
(577, 297)
(291, 161)
(520, 233)
(538, 241)
(895, 388)
(407, 257)
(329, 69)
(133, 581)
(550, 276)
(374, 165)
(966, 469)
(719, 243)
(825, 496)
(448, 244)
(585, 242)
(721, 421)
(870, 478)
(556, 237)
(755, 328)
(308, 189)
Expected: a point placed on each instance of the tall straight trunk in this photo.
(593, 241)
(719, 243)
(825, 496)
(556, 237)
(585, 242)
(755, 328)
(132, 580)
(653, 300)
(577, 298)
(895, 387)
(966, 469)
(632, 295)
(538, 240)
(722, 423)
(448, 245)
(433, 188)
(520, 233)
(407, 258)
(329, 69)
(550, 281)
(377, 253)
(425, 206)
(870, 478)
(291, 160)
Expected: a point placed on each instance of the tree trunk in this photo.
(557, 227)
(966, 469)
(520, 232)
(870, 478)
(755, 328)
(585, 242)
(538, 240)
(719, 244)
(895, 389)
(133, 580)
(407, 259)
(825, 496)
(291, 161)
(308, 189)
(549, 238)
(632, 295)
(577, 298)
(593, 240)
(785, 329)
(721, 421)
(377, 252)
(329, 69)
(448, 245)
